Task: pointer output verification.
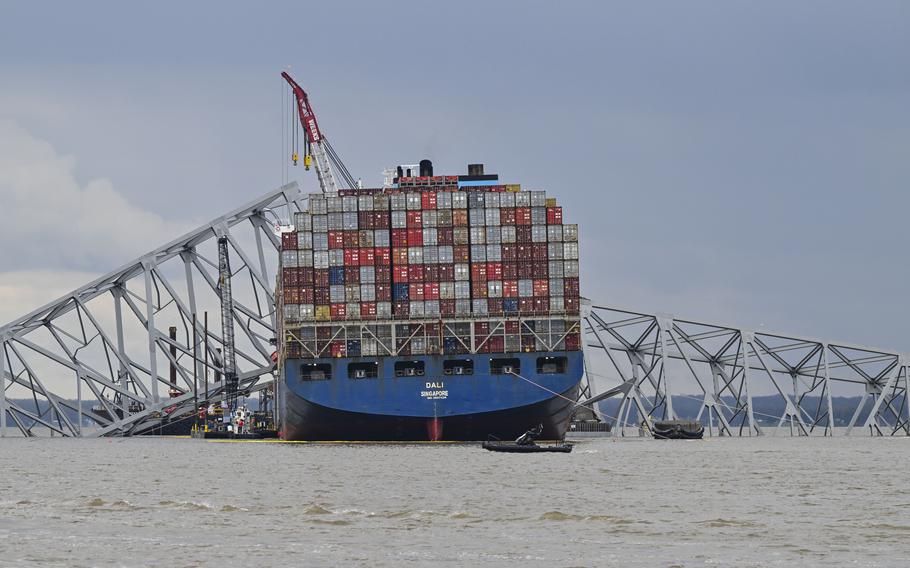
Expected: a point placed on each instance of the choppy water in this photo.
(730, 502)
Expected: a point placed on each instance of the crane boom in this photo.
(228, 359)
(314, 136)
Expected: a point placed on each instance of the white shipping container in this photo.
(460, 236)
(321, 259)
(492, 217)
(479, 307)
(494, 288)
(305, 258)
(418, 344)
(523, 199)
(478, 235)
(478, 253)
(352, 292)
(446, 290)
(508, 234)
(381, 238)
(477, 217)
(446, 255)
(307, 311)
(570, 251)
(444, 200)
(525, 288)
(414, 201)
(459, 200)
(366, 238)
(369, 347)
(462, 307)
(538, 199)
(416, 311)
(320, 223)
(334, 204)
(491, 199)
(365, 203)
(368, 276)
(507, 199)
(462, 271)
(352, 310)
(383, 309)
(570, 268)
(349, 203)
(431, 308)
(415, 255)
(317, 204)
(462, 290)
(380, 202)
(431, 255)
(367, 292)
(349, 221)
(397, 202)
(554, 233)
(539, 233)
(475, 200)
(554, 251)
(336, 257)
(399, 219)
(570, 233)
(444, 218)
(494, 253)
(336, 293)
(556, 269)
(304, 240)
(336, 221)
(320, 241)
(557, 287)
(303, 221)
(289, 259)
(430, 218)
(538, 215)
(291, 312)
(494, 235)
(429, 236)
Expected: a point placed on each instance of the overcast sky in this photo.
(746, 163)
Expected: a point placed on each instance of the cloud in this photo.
(49, 219)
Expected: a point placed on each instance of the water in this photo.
(720, 502)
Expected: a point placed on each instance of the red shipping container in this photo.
(494, 271)
(459, 217)
(510, 270)
(446, 272)
(415, 274)
(461, 253)
(415, 237)
(365, 220)
(415, 292)
(445, 236)
(321, 295)
(522, 215)
(447, 307)
(401, 309)
(479, 271)
(571, 287)
(399, 256)
(510, 289)
(509, 253)
(428, 200)
(368, 310)
(400, 275)
(415, 219)
(305, 276)
(351, 276)
(338, 348)
(383, 274)
(289, 241)
(399, 237)
(526, 305)
(513, 327)
(336, 239)
(507, 216)
(554, 215)
(539, 251)
(523, 234)
(431, 273)
(321, 277)
(525, 253)
(431, 291)
(541, 269)
(292, 295)
(382, 256)
(351, 239)
(541, 287)
(383, 292)
(478, 289)
(496, 344)
(338, 311)
(481, 328)
(573, 342)
(571, 305)
(494, 306)
(289, 277)
(367, 257)
(351, 257)
(381, 220)
(306, 295)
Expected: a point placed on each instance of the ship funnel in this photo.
(475, 169)
(426, 168)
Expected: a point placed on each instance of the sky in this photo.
(742, 163)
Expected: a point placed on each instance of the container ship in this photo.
(432, 308)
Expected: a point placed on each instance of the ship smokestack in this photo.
(426, 168)
(475, 169)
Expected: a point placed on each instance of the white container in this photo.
(429, 236)
(369, 347)
(475, 200)
(508, 234)
(336, 221)
(352, 310)
(493, 235)
(494, 253)
(570, 233)
(303, 221)
(525, 288)
(478, 253)
(381, 202)
(289, 259)
(431, 308)
(349, 203)
(557, 287)
(555, 269)
(491, 199)
(334, 204)
(557, 304)
(398, 202)
(336, 257)
(383, 309)
(368, 276)
(554, 233)
(538, 215)
(538, 198)
(415, 255)
(477, 217)
(430, 255)
(430, 218)
(336, 293)
(478, 235)
(305, 258)
(462, 273)
(414, 201)
(494, 288)
(523, 199)
(479, 307)
(367, 293)
(399, 219)
(460, 236)
(317, 205)
(365, 203)
(349, 221)
(462, 290)
(539, 233)
(459, 200)
(352, 292)
(507, 199)
(444, 200)
(320, 223)
(307, 312)
(291, 312)
(321, 259)
(381, 238)
(570, 268)
(446, 290)
(492, 217)
(320, 241)
(554, 251)
(462, 307)
(417, 311)
(570, 251)
(305, 240)
(366, 238)
(446, 255)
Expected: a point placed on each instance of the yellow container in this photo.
(551, 202)
(323, 313)
(513, 187)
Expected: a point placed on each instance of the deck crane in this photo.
(228, 358)
(323, 156)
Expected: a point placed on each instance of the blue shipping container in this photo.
(336, 275)
(510, 305)
(400, 292)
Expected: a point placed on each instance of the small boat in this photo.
(515, 448)
(678, 430)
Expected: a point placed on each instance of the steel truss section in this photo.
(101, 361)
(656, 364)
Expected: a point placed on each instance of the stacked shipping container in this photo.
(426, 253)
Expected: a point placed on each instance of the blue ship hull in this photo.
(431, 406)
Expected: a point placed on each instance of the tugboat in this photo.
(525, 444)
